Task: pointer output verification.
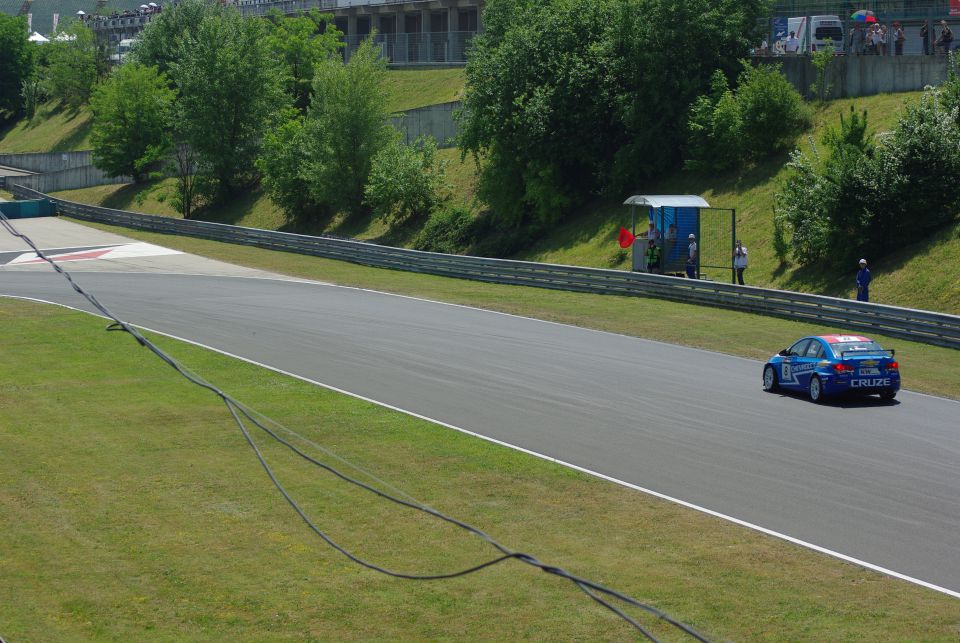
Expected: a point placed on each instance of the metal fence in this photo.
(916, 325)
(426, 48)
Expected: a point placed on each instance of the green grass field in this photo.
(134, 510)
(54, 129)
(58, 129)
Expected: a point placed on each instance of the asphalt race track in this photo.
(876, 482)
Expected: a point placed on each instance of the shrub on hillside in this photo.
(449, 230)
(867, 198)
(728, 128)
(406, 181)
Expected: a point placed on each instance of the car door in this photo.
(788, 376)
(806, 363)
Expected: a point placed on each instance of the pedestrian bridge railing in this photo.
(843, 314)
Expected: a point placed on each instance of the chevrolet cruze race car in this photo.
(833, 364)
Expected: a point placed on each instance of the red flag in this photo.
(626, 239)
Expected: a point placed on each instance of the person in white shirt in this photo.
(793, 44)
(740, 261)
(653, 234)
(692, 257)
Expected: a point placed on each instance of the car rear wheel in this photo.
(770, 379)
(888, 395)
(816, 389)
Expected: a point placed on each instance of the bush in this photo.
(449, 230)
(762, 117)
(406, 181)
(867, 198)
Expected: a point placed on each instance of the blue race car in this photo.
(828, 365)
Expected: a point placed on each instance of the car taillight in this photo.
(843, 368)
(893, 366)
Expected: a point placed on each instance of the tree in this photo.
(16, 63)
(300, 43)
(345, 128)
(406, 181)
(72, 69)
(131, 120)
(571, 98)
(230, 94)
(159, 43)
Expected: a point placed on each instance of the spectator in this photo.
(793, 44)
(652, 233)
(898, 38)
(874, 40)
(692, 257)
(740, 261)
(946, 37)
(856, 40)
(653, 257)
(925, 36)
(882, 40)
(764, 48)
(863, 282)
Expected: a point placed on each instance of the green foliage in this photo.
(230, 94)
(867, 198)
(406, 181)
(159, 43)
(822, 61)
(346, 126)
(300, 43)
(281, 162)
(571, 98)
(131, 120)
(73, 64)
(16, 63)
(727, 129)
(316, 166)
(33, 93)
(448, 230)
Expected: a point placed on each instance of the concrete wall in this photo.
(47, 161)
(71, 179)
(435, 120)
(853, 76)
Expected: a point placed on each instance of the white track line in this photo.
(656, 494)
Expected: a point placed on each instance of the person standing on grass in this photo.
(863, 282)
(692, 257)
(740, 261)
(653, 257)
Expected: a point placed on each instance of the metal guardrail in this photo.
(916, 325)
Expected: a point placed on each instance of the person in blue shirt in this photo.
(863, 282)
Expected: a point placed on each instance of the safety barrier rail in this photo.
(916, 325)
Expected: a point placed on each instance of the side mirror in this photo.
(784, 353)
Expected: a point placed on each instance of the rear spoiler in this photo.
(843, 354)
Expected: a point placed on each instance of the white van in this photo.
(820, 32)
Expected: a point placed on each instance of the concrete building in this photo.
(409, 32)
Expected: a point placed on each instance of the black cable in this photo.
(237, 409)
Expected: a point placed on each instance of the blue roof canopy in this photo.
(669, 200)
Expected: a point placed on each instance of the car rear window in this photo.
(857, 347)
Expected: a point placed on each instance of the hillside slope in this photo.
(925, 275)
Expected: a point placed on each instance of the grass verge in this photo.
(54, 128)
(925, 368)
(135, 511)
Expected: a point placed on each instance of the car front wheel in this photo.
(816, 389)
(770, 379)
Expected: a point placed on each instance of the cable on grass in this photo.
(241, 414)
